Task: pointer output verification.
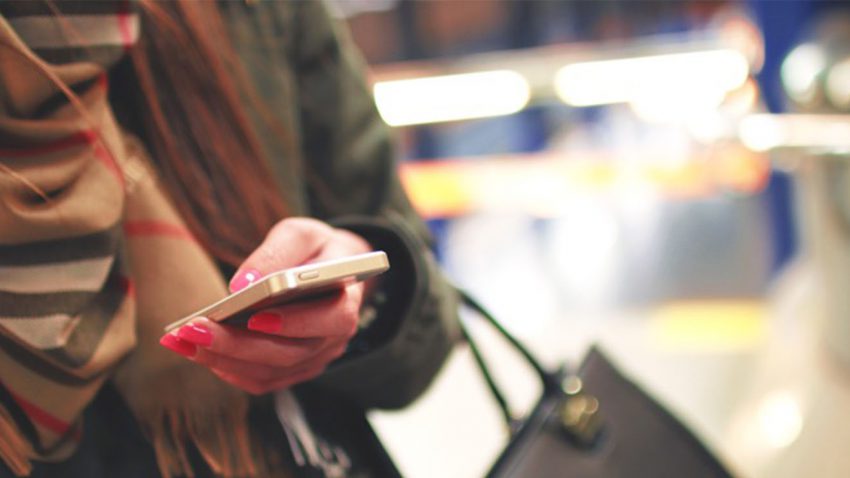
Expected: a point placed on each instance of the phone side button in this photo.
(308, 275)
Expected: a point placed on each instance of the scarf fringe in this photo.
(220, 435)
(222, 440)
(15, 450)
(227, 448)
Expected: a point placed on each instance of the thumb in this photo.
(291, 242)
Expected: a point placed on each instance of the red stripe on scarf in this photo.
(41, 416)
(127, 286)
(81, 138)
(108, 160)
(126, 32)
(157, 228)
(103, 81)
(77, 139)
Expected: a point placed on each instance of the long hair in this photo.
(193, 96)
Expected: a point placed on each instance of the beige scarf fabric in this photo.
(94, 261)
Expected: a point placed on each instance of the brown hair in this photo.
(212, 163)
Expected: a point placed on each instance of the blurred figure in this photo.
(151, 149)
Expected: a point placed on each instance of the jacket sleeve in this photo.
(353, 183)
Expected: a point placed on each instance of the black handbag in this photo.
(589, 423)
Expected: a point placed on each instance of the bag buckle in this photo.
(579, 413)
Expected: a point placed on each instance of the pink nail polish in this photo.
(266, 322)
(197, 334)
(175, 344)
(244, 279)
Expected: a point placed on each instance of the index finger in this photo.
(291, 242)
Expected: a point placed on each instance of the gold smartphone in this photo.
(301, 282)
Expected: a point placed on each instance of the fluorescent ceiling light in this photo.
(452, 97)
(677, 76)
(763, 132)
(800, 72)
(838, 85)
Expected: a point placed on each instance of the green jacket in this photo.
(338, 164)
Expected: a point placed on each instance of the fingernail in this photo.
(178, 345)
(244, 279)
(265, 322)
(196, 334)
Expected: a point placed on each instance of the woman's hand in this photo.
(290, 343)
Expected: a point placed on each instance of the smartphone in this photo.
(297, 283)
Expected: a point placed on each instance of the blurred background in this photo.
(667, 179)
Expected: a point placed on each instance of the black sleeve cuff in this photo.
(390, 363)
(390, 302)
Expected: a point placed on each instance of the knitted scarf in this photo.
(94, 261)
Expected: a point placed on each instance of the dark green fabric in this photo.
(336, 161)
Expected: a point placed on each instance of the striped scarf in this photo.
(94, 260)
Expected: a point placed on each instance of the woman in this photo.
(150, 150)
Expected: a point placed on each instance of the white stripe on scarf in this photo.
(86, 275)
(77, 30)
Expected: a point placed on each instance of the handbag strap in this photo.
(548, 379)
(578, 414)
